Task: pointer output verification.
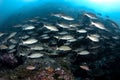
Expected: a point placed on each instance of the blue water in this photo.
(104, 7)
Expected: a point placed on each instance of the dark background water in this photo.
(15, 11)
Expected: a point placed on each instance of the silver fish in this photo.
(50, 27)
(13, 41)
(30, 41)
(17, 26)
(66, 37)
(64, 48)
(93, 38)
(33, 20)
(98, 25)
(36, 47)
(35, 55)
(3, 46)
(63, 25)
(28, 27)
(11, 47)
(82, 31)
(24, 37)
(67, 18)
(12, 35)
(63, 33)
(72, 40)
(90, 15)
(115, 25)
(12, 50)
(74, 25)
(85, 52)
(116, 37)
(57, 15)
(1, 34)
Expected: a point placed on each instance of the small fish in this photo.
(85, 67)
(31, 32)
(81, 37)
(3, 46)
(1, 34)
(67, 18)
(35, 55)
(17, 26)
(74, 25)
(28, 27)
(36, 47)
(23, 50)
(82, 31)
(90, 15)
(12, 35)
(12, 50)
(11, 47)
(63, 25)
(93, 38)
(63, 16)
(116, 37)
(84, 52)
(33, 20)
(96, 35)
(66, 37)
(13, 41)
(63, 33)
(24, 37)
(30, 68)
(105, 37)
(72, 40)
(30, 41)
(98, 25)
(57, 15)
(45, 36)
(52, 28)
(94, 47)
(64, 48)
(115, 25)
(9, 37)
(57, 37)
